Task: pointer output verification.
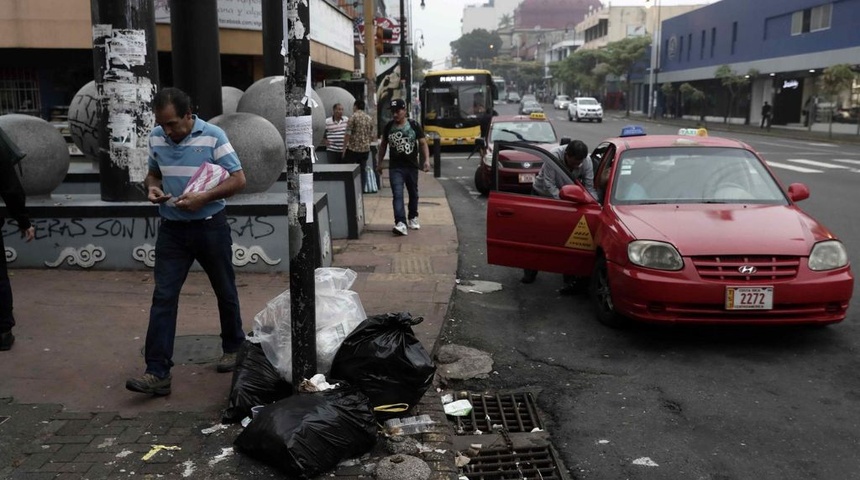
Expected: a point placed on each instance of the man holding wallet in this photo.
(193, 227)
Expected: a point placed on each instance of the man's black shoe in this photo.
(6, 341)
(529, 276)
(150, 384)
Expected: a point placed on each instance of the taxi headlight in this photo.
(653, 254)
(433, 135)
(828, 255)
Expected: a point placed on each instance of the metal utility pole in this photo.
(300, 188)
(405, 67)
(197, 53)
(273, 35)
(126, 74)
(655, 63)
(370, 54)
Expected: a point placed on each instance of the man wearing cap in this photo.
(403, 137)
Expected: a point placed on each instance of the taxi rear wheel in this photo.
(601, 296)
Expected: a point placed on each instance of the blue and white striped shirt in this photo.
(177, 163)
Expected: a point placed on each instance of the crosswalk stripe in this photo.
(793, 167)
(847, 160)
(813, 163)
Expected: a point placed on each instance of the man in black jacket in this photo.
(13, 195)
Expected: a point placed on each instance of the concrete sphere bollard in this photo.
(266, 99)
(230, 99)
(402, 467)
(332, 95)
(84, 121)
(259, 147)
(47, 160)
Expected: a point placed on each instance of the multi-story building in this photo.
(784, 44)
(487, 16)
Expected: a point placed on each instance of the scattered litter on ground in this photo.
(603, 442)
(645, 462)
(460, 408)
(214, 428)
(124, 454)
(225, 452)
(189, 468)
(156, 448)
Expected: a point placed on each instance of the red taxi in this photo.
(516, 170)
(691, 229)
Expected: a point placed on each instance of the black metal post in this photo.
(405, 67)
(126, 75)
(300, 191)
(273, 35)
(437, 157)
(197, 53)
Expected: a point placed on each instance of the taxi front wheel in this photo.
(601, 296)
(480, 184)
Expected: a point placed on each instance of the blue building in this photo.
(788, 42)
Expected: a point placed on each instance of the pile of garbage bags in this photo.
(376, 365)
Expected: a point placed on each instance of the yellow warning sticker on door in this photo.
(581, 237)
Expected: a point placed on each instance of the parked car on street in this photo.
(528, 107)
(516, 171)
(529, 98)
(686, 229)
(585, 108)
(513, 97)
(561, 102)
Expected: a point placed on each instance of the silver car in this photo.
(585, 108)
(561, 102)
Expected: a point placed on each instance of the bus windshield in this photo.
(456, 104)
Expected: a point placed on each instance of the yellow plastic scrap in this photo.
(156, 448)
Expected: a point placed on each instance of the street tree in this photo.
(693, 97)
(580, 71)
(476, 47)
(835, 80)
(668, 91)
(419, 66)
(626, 57)
(506, 21)
(734, 84)
(517, 73)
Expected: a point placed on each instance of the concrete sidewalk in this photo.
(64, 409)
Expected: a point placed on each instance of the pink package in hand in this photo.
(207, 177)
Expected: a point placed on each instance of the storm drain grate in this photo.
(516, 412)
(526, 463)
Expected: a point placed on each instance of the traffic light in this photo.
(379, 41)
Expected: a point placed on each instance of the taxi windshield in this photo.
(693, 175)
(533, 132)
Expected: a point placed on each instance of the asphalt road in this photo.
(671, 403)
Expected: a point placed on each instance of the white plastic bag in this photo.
(370, 185)
(338, 312)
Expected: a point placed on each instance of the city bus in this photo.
(501, 88)
(455, 103)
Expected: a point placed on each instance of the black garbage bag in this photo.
(384, 359)
(310, 433)
(255, 382)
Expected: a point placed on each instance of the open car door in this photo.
(541, 233)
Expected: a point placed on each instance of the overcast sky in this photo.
(440, 22)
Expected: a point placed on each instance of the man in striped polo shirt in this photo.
(335, 128)
(193, 227)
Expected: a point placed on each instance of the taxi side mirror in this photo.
(564, 141)
(480, 143)
(576, 194)
(798, 192)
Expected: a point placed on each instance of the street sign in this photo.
(383, 22)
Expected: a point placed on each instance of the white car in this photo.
(585, 108)
(561, 102)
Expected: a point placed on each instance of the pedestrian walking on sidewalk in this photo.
(765, 115)
(13, 195)
(403, 138)
(335, 128)
(358, 137)
(193, 227)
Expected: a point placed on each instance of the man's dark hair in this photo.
(172, 96)
(359, 104)
(576, 149)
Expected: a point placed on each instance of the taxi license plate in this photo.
(460, 141)
(749, 298)
(527, 178)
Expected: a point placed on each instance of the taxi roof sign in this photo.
(539, 115)
(693, 132)
(632, 131)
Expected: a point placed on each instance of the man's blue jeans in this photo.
(400, 176)
(178, 245)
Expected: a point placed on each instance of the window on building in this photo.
(19, 92)
(811, 19)
(681, 48)
(713, 40)
(702, 49)
(689, 45)
(734, 36)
